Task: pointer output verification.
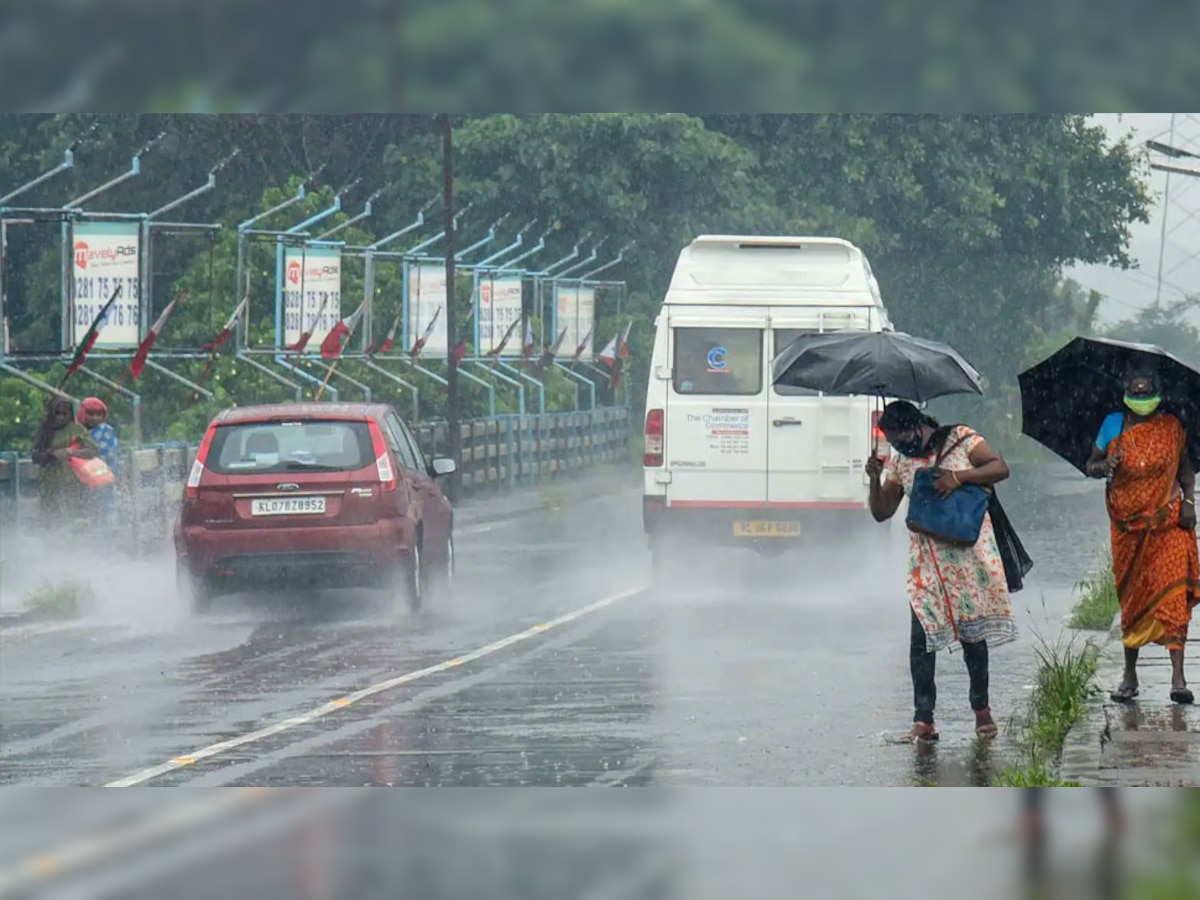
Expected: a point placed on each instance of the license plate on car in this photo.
(287, 506)
(764, 528)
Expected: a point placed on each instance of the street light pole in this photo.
(453, 415)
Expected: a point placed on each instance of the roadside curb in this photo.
(1083, 748)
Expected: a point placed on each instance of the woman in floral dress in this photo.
(959, 595)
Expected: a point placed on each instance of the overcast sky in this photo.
(1129, 291)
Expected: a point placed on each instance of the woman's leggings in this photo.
(924, 667)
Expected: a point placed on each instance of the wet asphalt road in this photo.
(753, 673)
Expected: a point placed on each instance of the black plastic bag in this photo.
(1017, 562)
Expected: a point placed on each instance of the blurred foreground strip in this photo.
(160, 836)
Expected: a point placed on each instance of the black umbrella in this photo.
(881, 363)
(1065, 398)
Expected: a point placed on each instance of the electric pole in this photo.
(453, 415)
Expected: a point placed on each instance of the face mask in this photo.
(912, 447)
(1142, 406)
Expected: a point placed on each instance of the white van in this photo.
(730, 458)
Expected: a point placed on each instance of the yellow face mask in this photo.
(1143, 406)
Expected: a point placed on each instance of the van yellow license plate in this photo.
(765, 528)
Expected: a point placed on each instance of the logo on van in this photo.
(716, 360)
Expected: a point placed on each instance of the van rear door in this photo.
(818, 444)
(716, 417)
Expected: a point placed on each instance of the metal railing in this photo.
(499, 453)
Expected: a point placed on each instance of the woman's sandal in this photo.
(1123, 694)
(1182, 695)
(984, 724)
(922, 731)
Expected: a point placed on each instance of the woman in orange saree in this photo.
(1152, 513)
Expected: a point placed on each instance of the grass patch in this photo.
(58, 601)
(1066, 677)
(1097, 604)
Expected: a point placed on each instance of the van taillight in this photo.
(654, 437)
(879, 438)
(192, 490)
(383, 463)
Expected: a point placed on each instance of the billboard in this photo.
(575, 310)
(105, 255)
(427, 299)
(499, 307)
(312, 293)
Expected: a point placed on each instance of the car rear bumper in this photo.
(357, 555)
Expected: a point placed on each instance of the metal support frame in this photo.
(396, 379)
(242, 337)
(365, 214)
(294, 369)
(510, 381)
(591, 385)
(332, 373)
(295, 230)
(491, 236)
(541, 388)
(587, 276)
(67, 163)
(242, 356)
(148, 223)
(541, 244)
(369, 254)
(37, 383)
(134, 397)
(186, 382)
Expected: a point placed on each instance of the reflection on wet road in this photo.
(788, 672)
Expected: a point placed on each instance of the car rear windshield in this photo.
(718, 360)
(254, 447)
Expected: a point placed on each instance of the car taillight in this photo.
(879, 439)
(193, 483)
(383, 463)
(654, 437)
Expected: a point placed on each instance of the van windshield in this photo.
(726, 361)
(253, 448)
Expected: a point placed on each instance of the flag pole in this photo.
(328, 375)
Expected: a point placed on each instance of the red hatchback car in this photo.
(313, 495)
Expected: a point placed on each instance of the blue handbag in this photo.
(956, 519)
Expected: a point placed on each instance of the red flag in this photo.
(306, 336)
(227, 331)
(332, 346)
(143, 350)
(527, 346)
(419, 343)
(389, 339)
(608, 355)
(89, 339)
(582, 346)
(460, 350)
(496, 351)
(552, 351)
(623, 352)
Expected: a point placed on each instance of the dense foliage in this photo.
(968, 220)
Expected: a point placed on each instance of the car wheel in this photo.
(442, 580)
(197, 592)
(412, 579)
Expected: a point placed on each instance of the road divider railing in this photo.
(507, 452)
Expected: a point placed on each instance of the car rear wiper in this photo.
(310, 467)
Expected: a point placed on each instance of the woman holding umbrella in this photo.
(959, 595)
(1151, 502)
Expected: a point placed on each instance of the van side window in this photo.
(718, 361)
(783, 337)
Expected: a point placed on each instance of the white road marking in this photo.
(340, 703)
